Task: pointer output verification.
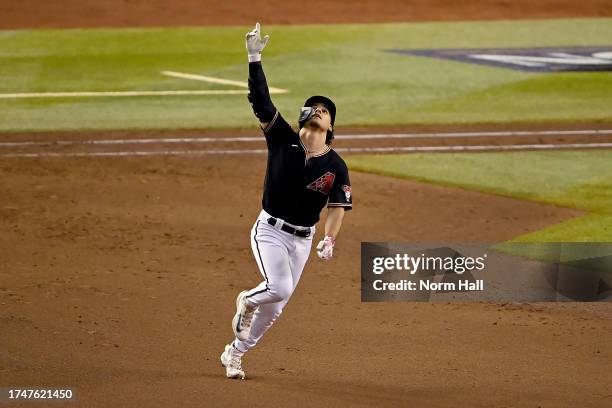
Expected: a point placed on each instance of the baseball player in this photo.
(303, 175)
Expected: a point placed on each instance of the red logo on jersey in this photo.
(323, 184)
(347, 192)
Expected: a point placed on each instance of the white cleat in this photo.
(241, 324)
(232, 364)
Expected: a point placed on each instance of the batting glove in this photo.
(254, 44)
(325, 248)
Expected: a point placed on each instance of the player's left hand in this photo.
(325, 248)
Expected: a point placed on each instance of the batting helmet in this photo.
(307, 113)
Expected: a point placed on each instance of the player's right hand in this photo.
(254, 44)
(325, 249)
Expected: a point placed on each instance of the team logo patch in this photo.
(323, 184)
(347, 192)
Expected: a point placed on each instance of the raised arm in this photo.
(259, 95)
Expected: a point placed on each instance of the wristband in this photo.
(255, 57)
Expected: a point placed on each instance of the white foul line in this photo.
(138, 153)
(218, 139)
(510, 133)
(342, 149)
(148, 93)
(120, 93)
(205, 78)
(474, 148)
(218, 80)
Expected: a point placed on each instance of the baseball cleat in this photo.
(232, 364)
(241, 324)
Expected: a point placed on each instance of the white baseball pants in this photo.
(281, 257)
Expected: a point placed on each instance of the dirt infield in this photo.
(147, 13)
(118, 275)
(118, 279)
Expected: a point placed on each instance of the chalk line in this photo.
(251, 139)
(467, 148)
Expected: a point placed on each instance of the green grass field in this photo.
(346, 62)
(575, 179)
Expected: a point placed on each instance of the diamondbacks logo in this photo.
(347, 192)
(323, 184)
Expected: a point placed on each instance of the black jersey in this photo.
(297, 187)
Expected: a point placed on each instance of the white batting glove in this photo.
(325, 248)
(254, 44)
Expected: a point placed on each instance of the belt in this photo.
(293, 231)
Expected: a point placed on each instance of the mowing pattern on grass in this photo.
(346, 62)
(576, 179)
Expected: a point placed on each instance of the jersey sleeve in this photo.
(278, 131)
(340, 194)
(259, 94)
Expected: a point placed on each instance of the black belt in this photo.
(293, 231)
